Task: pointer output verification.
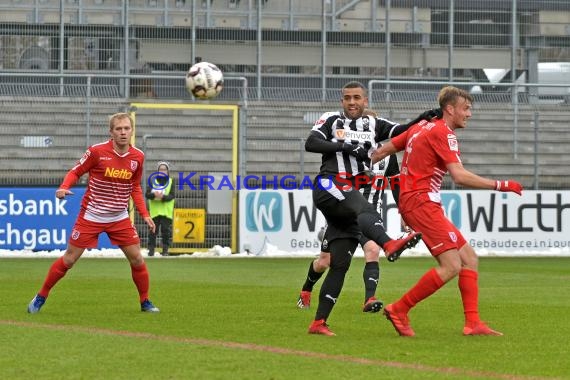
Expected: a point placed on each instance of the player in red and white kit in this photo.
(115, 171)
(431, 150)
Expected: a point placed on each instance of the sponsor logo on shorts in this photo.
(75, 234)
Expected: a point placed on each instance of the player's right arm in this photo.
(321, 139)
(318, 143)
(85, 163)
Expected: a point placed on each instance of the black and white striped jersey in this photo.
(383, 170)
(366, 131)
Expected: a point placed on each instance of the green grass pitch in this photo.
(233, 318)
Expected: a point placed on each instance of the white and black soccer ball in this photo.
(204, 80)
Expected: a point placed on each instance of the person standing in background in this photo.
(160, 195)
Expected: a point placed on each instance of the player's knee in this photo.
(371, 251)
(135, 260)
(69, 261)
(341, 254)
(469, 258)
(450, 270)
(322, 263)
(340, 263)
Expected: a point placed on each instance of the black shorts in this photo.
(332, 233)
(340, 208)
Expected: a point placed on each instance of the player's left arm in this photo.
(383, 152)
(465, 178)
(398, 129)
(447, 148)
(150, 223)
(137, 193)
(138, 199)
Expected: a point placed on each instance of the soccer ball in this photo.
(204, 80)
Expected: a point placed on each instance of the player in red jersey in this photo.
(431, 150)
(115, 171)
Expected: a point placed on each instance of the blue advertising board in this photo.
(34, 219)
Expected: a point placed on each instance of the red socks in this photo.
(140, 277)
(469, 295)
(56, 272)
(425, 287)
(431, 282)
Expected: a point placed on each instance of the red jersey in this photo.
(429, 148)
(113, 179)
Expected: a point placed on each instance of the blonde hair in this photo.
(119, 116)
(450, 94)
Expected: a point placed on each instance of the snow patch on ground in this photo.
(272, 251)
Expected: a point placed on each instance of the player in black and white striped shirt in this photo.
(384, 171)
(344, 139)
(354, 138)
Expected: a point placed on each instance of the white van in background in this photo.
(554, 73)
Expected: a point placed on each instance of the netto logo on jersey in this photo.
(451, 204)
(118, 173)
(264, 211)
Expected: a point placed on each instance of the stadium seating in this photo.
(48, 140)
(40, 140)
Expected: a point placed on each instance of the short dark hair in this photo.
(449, 95)
(354, 84)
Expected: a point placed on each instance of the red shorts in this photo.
(85, 234)
(438, 233)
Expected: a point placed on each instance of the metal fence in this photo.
(67, 64)
(39, 132)
(313, 44)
